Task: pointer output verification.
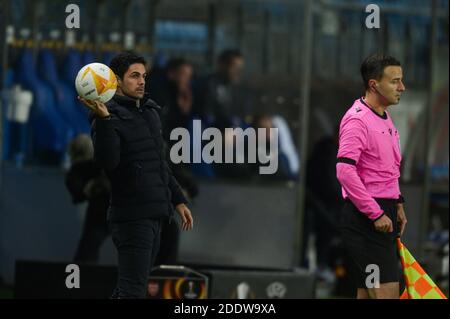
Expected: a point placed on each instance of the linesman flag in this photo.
(418, 284)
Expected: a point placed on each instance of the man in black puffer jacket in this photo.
(129, 145)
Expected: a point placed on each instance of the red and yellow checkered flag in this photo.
(418, 284)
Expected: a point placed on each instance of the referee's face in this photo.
(391, 84)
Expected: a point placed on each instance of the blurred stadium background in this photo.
(301, 64)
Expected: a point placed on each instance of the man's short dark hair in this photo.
(121, 62)
(227, 56)
(175, 63)
(374, 65)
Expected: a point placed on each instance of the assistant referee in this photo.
(368, 168)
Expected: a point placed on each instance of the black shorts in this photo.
(366, 246)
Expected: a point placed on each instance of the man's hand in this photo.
(401, 218)
(99, 108)
(384, 225)
(186, 216)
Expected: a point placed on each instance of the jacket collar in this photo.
(122, 105)
(151, 104)
(130, 102)
(125, 100)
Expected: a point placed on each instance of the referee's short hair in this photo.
(373, 67)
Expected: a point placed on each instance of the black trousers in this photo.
(137, 243)
(170, 237)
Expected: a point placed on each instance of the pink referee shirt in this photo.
(369, 158)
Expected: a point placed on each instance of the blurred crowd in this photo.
(217, 100)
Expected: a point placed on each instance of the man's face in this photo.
(182, 76)
(133, 82)
(391, 85)
(234, 70)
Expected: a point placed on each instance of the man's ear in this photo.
(119, 80)
(373, 84)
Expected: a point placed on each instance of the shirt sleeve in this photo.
(352, 141)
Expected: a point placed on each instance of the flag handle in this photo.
(405, 294)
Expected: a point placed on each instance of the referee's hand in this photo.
(384, 225)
